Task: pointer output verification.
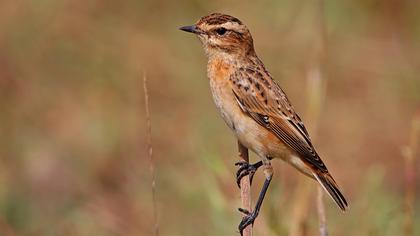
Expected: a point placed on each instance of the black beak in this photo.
(190, 29)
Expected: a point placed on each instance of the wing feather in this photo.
(263, 100)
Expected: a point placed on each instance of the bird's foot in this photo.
(246, 169)
(248, 219)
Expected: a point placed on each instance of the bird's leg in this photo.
(246, 169)
(250, 217)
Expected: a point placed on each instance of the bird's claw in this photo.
(248, 219)
(245, 211)
(245, 169)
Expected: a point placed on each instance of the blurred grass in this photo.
(72, 153)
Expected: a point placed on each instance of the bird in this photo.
(256, 109)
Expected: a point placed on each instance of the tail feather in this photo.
(329, 185)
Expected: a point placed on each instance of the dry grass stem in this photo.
(150, 154)
(245, 188)
(409, 154)
(316, 90)
(322, 219)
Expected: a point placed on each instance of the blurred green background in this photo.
(73, 154)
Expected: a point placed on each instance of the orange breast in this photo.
(218, 69)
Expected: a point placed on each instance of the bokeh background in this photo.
(73, 153)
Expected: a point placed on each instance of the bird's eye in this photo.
(221, 31)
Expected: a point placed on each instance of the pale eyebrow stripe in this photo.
(230, 24)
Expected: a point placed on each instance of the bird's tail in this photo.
(328, 183)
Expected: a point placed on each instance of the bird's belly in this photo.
(252, 135)
(260, 140)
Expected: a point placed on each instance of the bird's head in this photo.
(220, 33)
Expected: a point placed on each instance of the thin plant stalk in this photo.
(150, 154)
(410, 153)
(245, 187)
(316, 90)
(322, 219)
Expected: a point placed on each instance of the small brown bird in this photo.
(255, 107)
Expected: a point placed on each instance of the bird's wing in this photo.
(261, 98)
